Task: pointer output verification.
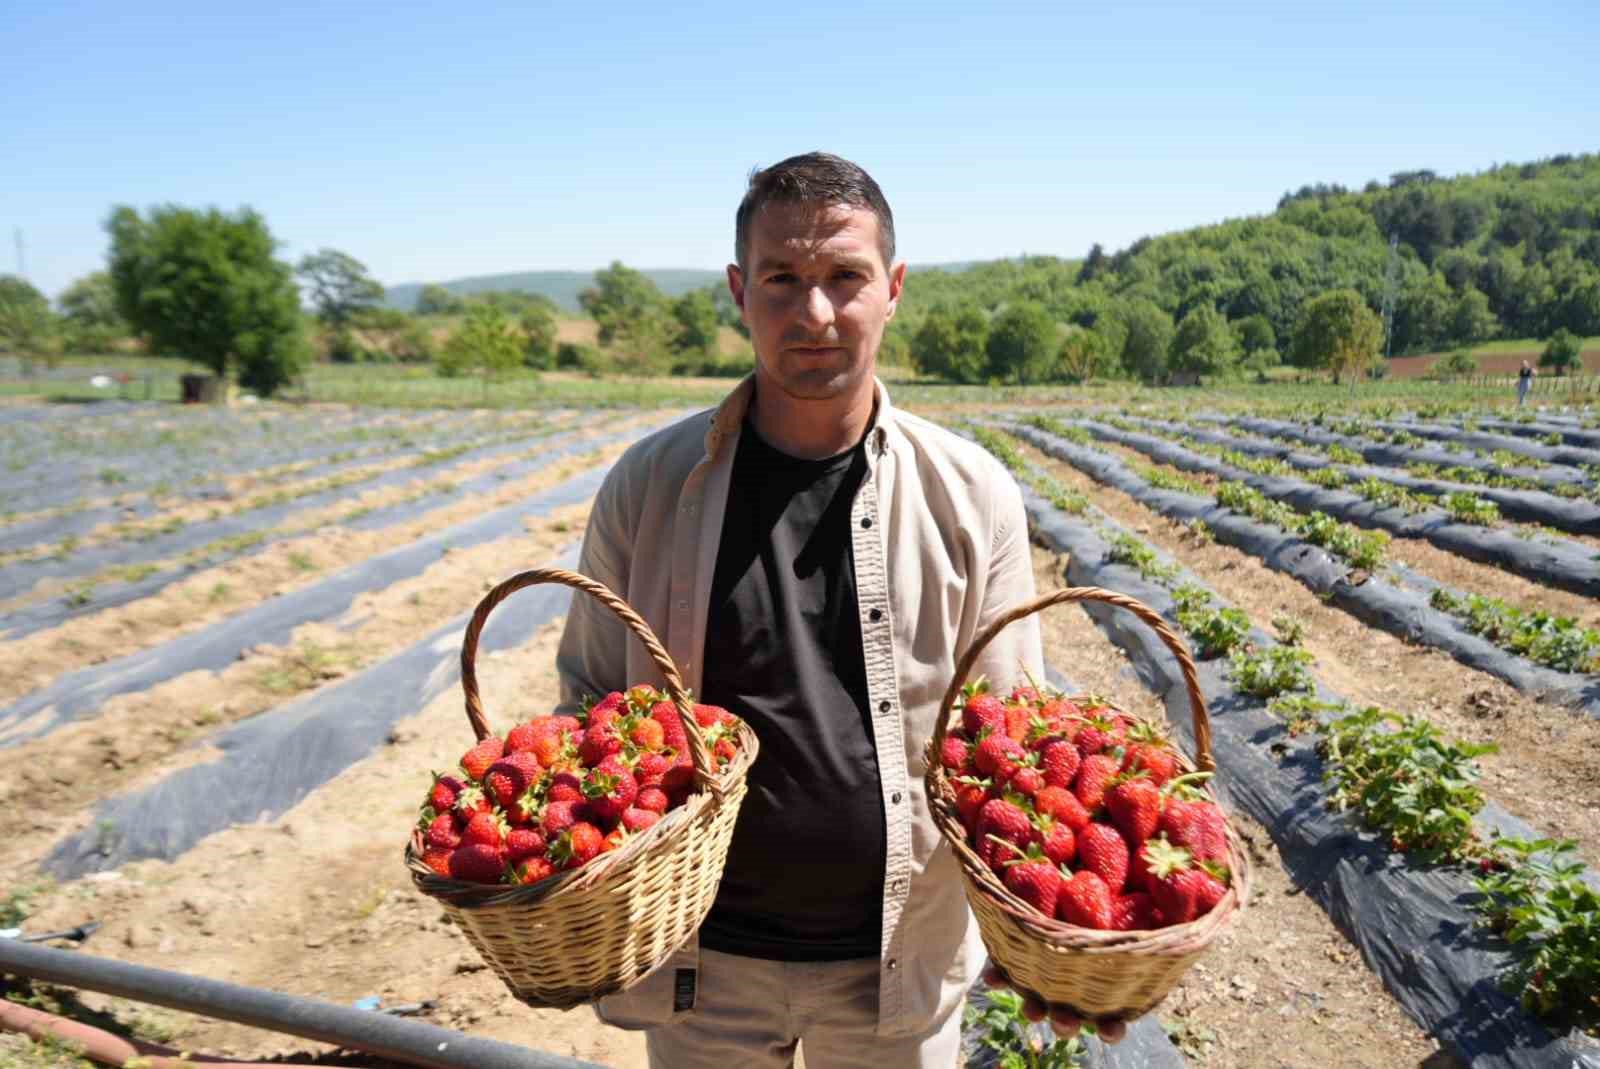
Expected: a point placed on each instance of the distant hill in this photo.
(562, 287)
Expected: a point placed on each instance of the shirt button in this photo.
(895, 798)
(683, 606)
(883, 707)
(866, 521)
(875, 615)
(894, 963)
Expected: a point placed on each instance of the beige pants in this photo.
(754, 1014)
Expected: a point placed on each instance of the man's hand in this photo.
(1064, 1021)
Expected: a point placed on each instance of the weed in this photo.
(301, 562)
(219, 593)
(1200, 531)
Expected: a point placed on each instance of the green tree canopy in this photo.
(1561, 351)
(696, 317)
(1022, 343)
(1470, 317)
(27, 326)
(204, 285)
(1085, 354)
(952, 343)
(1203, 343)
(1338, 331)
(1255, 333)
(539, 325)
(339, 286)
(623, 302)
(1147, 332)
(89, 311)
(436, 300)
(485, 344)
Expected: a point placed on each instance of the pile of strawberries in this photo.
(558, 791)
(1080, 811)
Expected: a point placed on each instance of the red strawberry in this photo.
(565, 787)
(578, 845)
(601, 714)
(535, 869)
(615, 700)
(554, 748)
(647, 734)
(651, 768)
(1093, 779)
(485, 829)
(1035, 882)
(1024, 695)
(1085, 901)
(1135, 808)
(557, 818)
(1193, 822)
(437, 858)
(476, 761)
(1175, 883)
(522, 737)
(609, 790)
(1060, 760)
(1026, 781)
(472, 800)
(1102, 851)
(1139, 868)
(1019, 718)
(971, 794)
(709, 715)
(636, 819)
(981, 710)
(953, 753)
(1133, 913)
(724, 750)
(1212, 888)
(599, 742)
(523, 843)
(1057, 841)
(651, 798)
(442, 832)
(442, 796)
(1001, 821)
(477, 863)
(672, 730)
(1058, 709)
(1063, 805)
(1157, 761)
(614, 838)
(999, 755)
(508, 777)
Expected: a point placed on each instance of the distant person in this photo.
(1524, 383)
(815, 560)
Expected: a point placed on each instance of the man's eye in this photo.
(782, 279)
(847, 275)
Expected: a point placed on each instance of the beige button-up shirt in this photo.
(940, 548)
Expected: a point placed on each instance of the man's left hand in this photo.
(1065, 1022)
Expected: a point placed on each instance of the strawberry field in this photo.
(230, 641)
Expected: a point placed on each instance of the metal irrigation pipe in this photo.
(411, 1042)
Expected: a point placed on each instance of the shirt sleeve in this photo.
(592, 658)
(1016, 652)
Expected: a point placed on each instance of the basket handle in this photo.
(1191, 679)
(698, 753)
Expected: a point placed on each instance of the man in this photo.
(814, 560)
(1524, 382)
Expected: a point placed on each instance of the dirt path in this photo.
(1549, 758)
(1283, 987)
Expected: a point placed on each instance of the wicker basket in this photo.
(573, 937)
(1096, 974)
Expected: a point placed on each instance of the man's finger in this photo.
(1065, 1022)
(1111, 1031)
(1033, 1007)
(995, 976)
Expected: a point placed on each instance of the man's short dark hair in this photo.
(818, 178)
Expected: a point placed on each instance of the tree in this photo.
(951, 343)
(1203, 343)
(339, 284)
(696, 317)
(1561, 351)
(539, 324)
(620, 300)
(27, 326)
(1470, 318)
(484, 344)
(1022, 343)
(205, 286)
(1338, 331)
(1147, 338)
(89, 313)
(1460, 362)
(433, 300)
(1086, 354)
(1255, 333)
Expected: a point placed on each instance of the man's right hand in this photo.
(1065, 1022)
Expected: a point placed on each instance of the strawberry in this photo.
(472, 800)
(578, 845)
(724, 750)
(554, 748)
(711, 715)
(1085, 901)
(1102, 851)
(1060, 760)
(1093, 778)
(1212, 886)
(1135, 807)
(672, 730)
(1019, 718)
(1001, 821)
(523, 843)
(981, 709)
(508, 777)
(1175, 883)
(1139, 868)
(565, 787)
(651, 798)
(615, 700)
(1154, 758)
(953, 753)
(437, 858)
(1192, 821)
(1057, 841)
(557, 818)
(1024, 695)
(971, 794)
(442, 796)
(636, 819)
(599, 741)
(602, 714)
(651, 768)
(1062, 805)
(485, 829)
(1094, 736)
(476, 761)
(1026, 781)
(442, 832)
(1133, 912)
(609, 790)
(477, 863)
(1057, 710)
(535, 869)
(1036, 882)
(523, 736)
(647, 734)
(999, 755)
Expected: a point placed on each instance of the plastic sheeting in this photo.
(1487, 442)
(1555, 562)
(1412, 923)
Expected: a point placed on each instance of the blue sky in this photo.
(434, 145)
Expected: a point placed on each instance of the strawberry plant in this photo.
(1126, 549)
(1341, 455)
(1190, 597)
(1406, 780)
(1171, 480)
(1051, 425)
(1201, 532)
(1327, 478)
(1470, 508)
(1216, 631)
(1016, 1042)
(1272, 671)
(1559, 642)
(1291, 630)
(1302, 712)
(1535, 897)
(1000, 445)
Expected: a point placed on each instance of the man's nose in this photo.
(816, 310)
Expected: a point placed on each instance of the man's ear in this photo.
(897, 282)
(736, 287)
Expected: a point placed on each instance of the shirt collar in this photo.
(728, 418)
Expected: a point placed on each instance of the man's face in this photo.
(816, 298)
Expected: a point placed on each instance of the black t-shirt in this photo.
(804, 877)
